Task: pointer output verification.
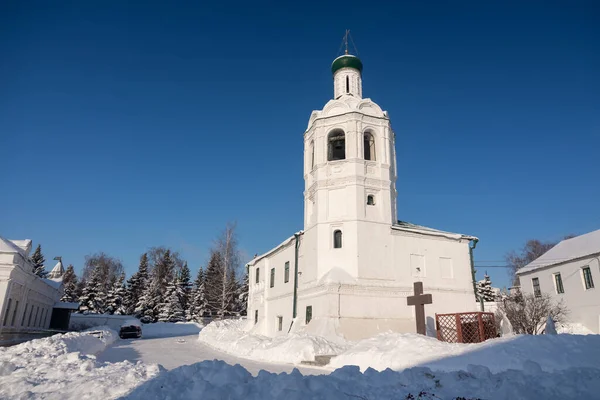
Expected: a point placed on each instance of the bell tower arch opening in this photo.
(336, 145)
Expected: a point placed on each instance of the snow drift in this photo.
(64, 367)
(217, 380)
(403, 350)
(229, 336)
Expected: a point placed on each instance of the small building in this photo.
(569, 272)
(352, 267)
(26, 300)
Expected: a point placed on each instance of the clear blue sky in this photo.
(124, 126)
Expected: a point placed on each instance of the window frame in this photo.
(335, 134)
(257, 275)
(279, 323)
(272, 278)
(558, 283)
(371, 198)
(369, 150)
(286, 272)
(308, 316)
(535, 282)
(335, 239)
(587, 284)
(255, 317)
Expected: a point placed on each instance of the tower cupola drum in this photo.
(347, 76)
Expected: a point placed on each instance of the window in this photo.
(272, 283)
(280, 323)
(587, 277)
(24, 314)
(308, 314)
(558, 282)
(337, 239)
(370, 200)
(312, 155)
(536, 287)
(336, 146)
(369, 147)
(7, 312)
(255, 317)
(257, 274)
(12, 321)
(286, 274)
(347, 84)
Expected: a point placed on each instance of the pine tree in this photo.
(231, 295)
(38, 260)
(199, 307)
(147, 307)
(116, 296)
(136, 285)
(79, 288)
(171, 308)
(242, 296)
(184, 289)
(69, 281)
(214, 284)
(484, 289)
(93, 298)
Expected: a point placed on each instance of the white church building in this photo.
(351, 268)
(27, 301)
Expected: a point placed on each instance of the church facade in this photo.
(351, 268)
(27, 301)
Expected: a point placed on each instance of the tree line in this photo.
(162, 288)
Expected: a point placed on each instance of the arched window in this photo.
(312, 155)
(369, 146)
(347, 84)
(337, 239)
(370, 200)
(336, 146)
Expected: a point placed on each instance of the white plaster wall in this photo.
(354, 80)
(583, 305)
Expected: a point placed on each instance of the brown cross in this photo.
(419, 300)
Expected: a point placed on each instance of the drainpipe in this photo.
(472, 245)
(295, 304)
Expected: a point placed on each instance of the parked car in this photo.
(131, 328)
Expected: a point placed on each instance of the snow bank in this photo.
(64, 367)
(217, 380)
(398, 351)
(168, 329)
(230, 337)
(573, 329)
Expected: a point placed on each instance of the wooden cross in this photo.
(419, 300)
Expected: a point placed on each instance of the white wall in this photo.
(29, 296)
(583, 305)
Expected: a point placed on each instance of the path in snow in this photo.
(172, 352)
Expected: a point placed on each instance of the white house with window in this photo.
(351, 268)
(569, 272)
(26, 300)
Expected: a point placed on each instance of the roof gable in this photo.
(568, 249)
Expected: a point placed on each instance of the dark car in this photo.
(130, 329)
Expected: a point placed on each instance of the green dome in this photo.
(346, 61)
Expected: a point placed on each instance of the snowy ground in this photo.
(82, 366)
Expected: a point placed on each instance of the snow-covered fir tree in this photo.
(136, 285)
(147, 308)
(116, 295)
(171, 309)
(93, 298)
(184, 289)
(38, 260)
(213, 280)
(231, 295)
(484, 289)
(198, 306)
(69, 281)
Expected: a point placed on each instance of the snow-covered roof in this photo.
(11, 246)
(410, 227)
(56, 284)
(568, 249)
(57, 272)
(273, 250)
(66, 306)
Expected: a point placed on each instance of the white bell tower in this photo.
(349, 172)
